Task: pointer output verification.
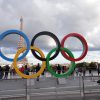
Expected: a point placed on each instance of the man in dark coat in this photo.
(6, 71)
(59, 69)
(1, 72)
(37, 69)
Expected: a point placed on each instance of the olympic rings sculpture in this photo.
(66, 53)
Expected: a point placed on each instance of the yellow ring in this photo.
(43, 66)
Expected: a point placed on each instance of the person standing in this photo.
(59, 69)
(98, 69)
(90, 72)
(76, 70)
(64, 69)
(6, 71)
(80, 71)
(1, 72)
(37, 69)
(22, 69)
(26, 71)
(84, 71)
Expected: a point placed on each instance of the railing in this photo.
(72, 88)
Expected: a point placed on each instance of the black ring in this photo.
(51, 35)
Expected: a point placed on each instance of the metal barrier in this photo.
(72, 88)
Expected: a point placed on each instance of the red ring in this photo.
(85, 46)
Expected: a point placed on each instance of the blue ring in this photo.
(4, 34)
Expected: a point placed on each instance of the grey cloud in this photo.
(58, 16)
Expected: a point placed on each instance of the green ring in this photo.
(71, 68)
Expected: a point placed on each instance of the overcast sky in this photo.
(57, 16)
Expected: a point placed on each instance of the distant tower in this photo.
(21, 40)
(21, 43)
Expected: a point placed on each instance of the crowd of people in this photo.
(59, 69)
(5, 70)
(83, 71)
